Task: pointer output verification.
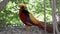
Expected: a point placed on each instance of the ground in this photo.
(22, 30)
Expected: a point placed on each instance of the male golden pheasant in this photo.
(29, 20)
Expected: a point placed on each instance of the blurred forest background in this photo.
(9, 14)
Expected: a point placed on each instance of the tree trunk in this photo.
(3, 3)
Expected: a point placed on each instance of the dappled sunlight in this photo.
(36, 7)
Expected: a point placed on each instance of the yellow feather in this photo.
(33, 19)
(22, 4)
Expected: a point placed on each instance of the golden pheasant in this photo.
(29, 20)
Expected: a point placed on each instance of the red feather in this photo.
(23, 18)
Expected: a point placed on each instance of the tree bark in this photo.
(55, 28)
(3, 3)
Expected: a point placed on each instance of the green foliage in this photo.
(9, 15)
(36, 7)
(58, 3)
